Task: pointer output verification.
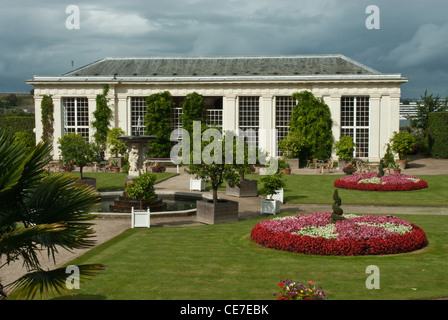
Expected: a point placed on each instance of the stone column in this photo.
(267, 137)
(334, 103)
(229, 113)
(374, 127)
(58, 126)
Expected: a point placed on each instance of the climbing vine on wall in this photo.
(102, 115)
(47, 109)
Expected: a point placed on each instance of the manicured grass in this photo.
(320, 188)
(222, 262)
(106, 181)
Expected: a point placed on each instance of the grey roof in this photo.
(305, 67)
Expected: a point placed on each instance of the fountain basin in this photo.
(175, 203)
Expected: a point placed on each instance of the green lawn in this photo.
(320, 188)
(221, 262)
(106, 181)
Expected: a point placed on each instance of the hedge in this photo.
(438, 128)
(17, 124)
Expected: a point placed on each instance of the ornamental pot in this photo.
(247, 188)
(270, 206)
(197, 184)
(402, 164)
(213, 213)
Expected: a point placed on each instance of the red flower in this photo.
(281, 285)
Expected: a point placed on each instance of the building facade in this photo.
(240, 92)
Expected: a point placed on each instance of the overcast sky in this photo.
(412, 39)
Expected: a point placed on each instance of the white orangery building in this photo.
(240, 92)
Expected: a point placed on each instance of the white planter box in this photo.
(270, 206)
(197, 184)
(277, 196)
(140, 218)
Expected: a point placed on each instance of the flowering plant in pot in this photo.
(349, 169)
(294, 290)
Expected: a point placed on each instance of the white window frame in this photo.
(354, 128)
(80, 110)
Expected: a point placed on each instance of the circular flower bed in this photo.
(355, 235)
(370, 182)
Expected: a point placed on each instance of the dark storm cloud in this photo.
(411, 39)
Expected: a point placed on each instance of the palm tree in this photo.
(40, 211)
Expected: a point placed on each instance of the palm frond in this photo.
(50, 282)
(20, 243)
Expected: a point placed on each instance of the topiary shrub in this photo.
(337, 210)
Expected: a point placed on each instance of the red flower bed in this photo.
(393, 182)
(304, 244)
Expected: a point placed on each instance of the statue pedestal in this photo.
(137, 150)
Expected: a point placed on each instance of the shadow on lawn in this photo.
(82, 297)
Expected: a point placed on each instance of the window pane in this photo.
(249, 117)
(138, 111)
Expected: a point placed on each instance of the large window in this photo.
(76, 115)
(213, 107)
(138, 111)
(355, 123)
(283, 111)
(248, 118)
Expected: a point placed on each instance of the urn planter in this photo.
(222, 212)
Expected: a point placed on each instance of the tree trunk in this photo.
(215, 195)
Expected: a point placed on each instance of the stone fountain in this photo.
(137, 149)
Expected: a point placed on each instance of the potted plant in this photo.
(396, 167)
(117, 147)
(402, 143)
(344, 149)
(292, 147)
(115, 166)
(271, 186)
(216, 172)
(245, 187)
(142, 189)
(287, 168)
(349, 168)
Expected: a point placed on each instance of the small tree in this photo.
(428, 105)
(403, 143)
(159, 107)
(345, 147)
(103, 115)
(311, 119)
(215, 171)
(75, 149)
(293, 145)
(115, 145)
(142, 188)
(272, 183)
